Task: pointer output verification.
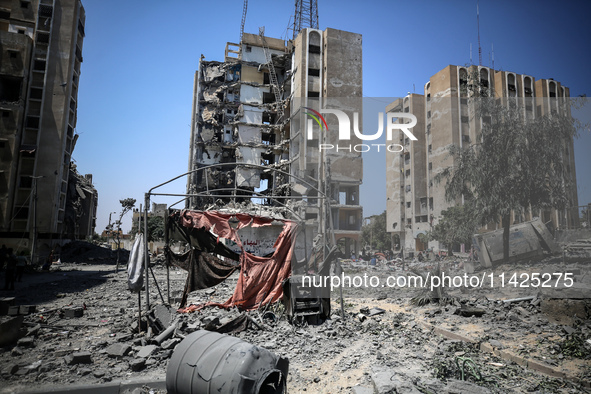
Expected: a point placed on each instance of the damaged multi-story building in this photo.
(41, 53)
(248, 109)
(415, 200)
(81, 206)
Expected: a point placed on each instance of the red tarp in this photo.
(260, 277)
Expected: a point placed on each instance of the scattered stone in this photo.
(496, 344)
(27, 309)
(138, 364)
(16, 351)
(269, 345)
(33, 331)
(146, 351)
(386, 380)
(46, 367)
(26, 342)
(13, 310)
(99, 373)
(376, 311)
(10, 329)
(170, 343)
(84, 371)
(166, 354)
(469, 311)
(118, 350)
(568, 330)
(78, 358)
(11, 369)
(73, 311)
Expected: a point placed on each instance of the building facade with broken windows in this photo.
(41, 44)
(445, 117)
(248, 109)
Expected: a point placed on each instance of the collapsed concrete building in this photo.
(81, 205)
(445, 117)
(41, 52)
(249, 110)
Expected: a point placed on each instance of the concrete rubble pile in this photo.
(80, 325)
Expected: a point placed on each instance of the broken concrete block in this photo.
(10, 329)
(78, 358)
(469, 311)
(27, 309)
(33, 330)
(162, 316)
(146, 351)
(138, 364)
(376, 311)
(386, 380)
(118, 350)
(164, 355)
(11, 369)
(26, 342)
(496, 344)
(170, 343)
(5, 303)
(73, 311)
(13, 310)
(84, 371)
(16, 352)
(362, 390)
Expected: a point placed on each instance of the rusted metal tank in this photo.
(209, 362)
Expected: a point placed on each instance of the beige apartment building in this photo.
(414, 199)
(41, 54)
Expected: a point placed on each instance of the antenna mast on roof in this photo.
(306, 15)
(478, 25)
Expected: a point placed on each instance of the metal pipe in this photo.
(167, 255)
(146, 252)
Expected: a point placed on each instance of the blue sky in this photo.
(140, 57)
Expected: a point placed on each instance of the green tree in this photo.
(457, 226)
(155, 228)
(375, 235)
(127, 205)
(515, 164)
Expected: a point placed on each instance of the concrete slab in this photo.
(146, 351)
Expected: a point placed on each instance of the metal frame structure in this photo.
(215, 193)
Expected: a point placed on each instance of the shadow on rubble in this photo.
(86, 252)
(42, 287)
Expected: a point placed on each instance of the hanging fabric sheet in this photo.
(261, 278)
(135, 277)
(205, 270)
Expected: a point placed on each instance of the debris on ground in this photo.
(81, 325)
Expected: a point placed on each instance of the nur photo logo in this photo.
(345, 135)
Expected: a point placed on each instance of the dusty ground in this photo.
(399, 350)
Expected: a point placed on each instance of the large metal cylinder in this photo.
(209, 362)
